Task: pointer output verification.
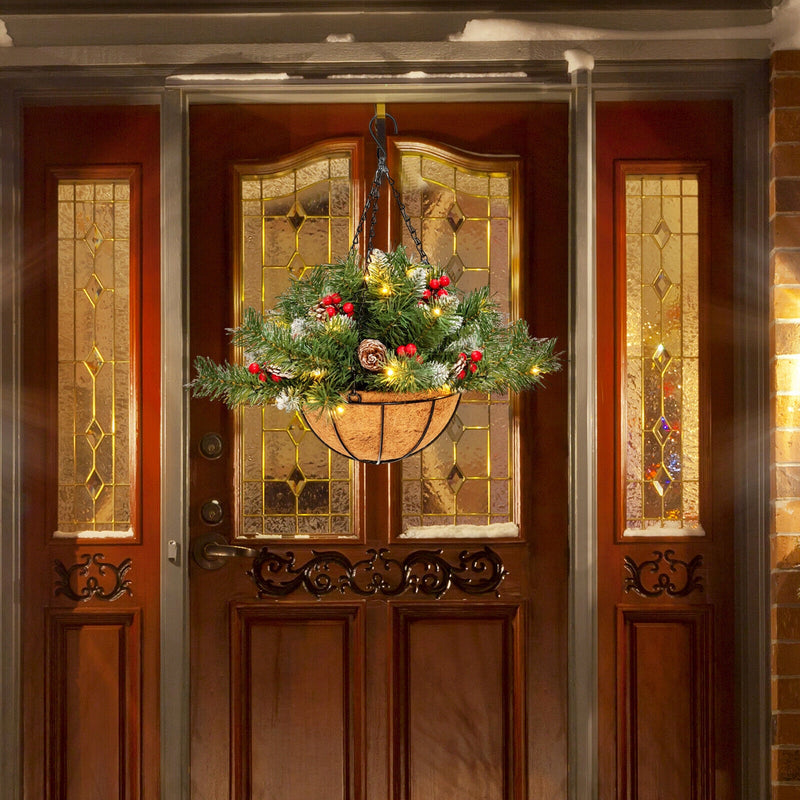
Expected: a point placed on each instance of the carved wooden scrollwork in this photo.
(423, 571)
(93, 586)
(669, 571)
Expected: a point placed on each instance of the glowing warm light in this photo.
(389, 371)
(385, 289)
(317, 373)
(340, 409)
(437, 312)
(535, 370)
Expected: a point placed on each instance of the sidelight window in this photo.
(660, 396)
(95, 395)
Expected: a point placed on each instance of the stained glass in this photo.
(95, 449)
(292, 217)
(463, 483)
(661, 394)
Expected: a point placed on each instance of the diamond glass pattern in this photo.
(661, 400)
(464, 217)
(292, 216)
(95, 449)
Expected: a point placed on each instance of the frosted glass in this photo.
(662, 403)
(94, 444)
(464, 218)
(291, 219)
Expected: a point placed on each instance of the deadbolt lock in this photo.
(211, 512)
(211, 446)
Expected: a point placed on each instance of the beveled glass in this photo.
(292, 216)
(661, 389)
(95, 448)
(464, 211)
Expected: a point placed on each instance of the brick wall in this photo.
(785, 405)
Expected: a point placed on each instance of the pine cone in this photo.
(372, 354)
(319, 311)
(460, 365)
(281, 373)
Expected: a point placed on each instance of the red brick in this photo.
(786, 479)
(785, 124)
(788, 623)
(787, 695)
(785, 230)
(786, 447)
(788, 765)
(786, 589)
(786, 266)
(787, 516)
(785, 160)
(787, 195)
(785, 342)
(786, 792)
(785, 61)
(785, 91)
(786, 729)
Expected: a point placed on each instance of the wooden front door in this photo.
(436, 681)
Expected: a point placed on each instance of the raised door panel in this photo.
(664, 713)
(297, 689)
(459, 700)
(93, 705)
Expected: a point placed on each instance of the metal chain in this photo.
(407, 220)
(372, 203)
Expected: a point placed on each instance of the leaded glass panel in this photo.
(292, 217)
(463, 484)
(661, 390)
(95, 448)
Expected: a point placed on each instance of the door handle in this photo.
(212, 550)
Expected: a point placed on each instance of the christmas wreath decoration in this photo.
(392, 338)
(395, 327)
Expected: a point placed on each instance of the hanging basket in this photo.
(380, 427)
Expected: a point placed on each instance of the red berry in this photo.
(462, 355)
(262, 376)
(411, 349)
(434, 283)
(473, 367)
(348, 308)
(254, 368)
(275, 377)
(327, 300)
(401, 350)
(331, 311)
(441, 293)
(444, 281)
(462, 375)
(476, 355)
(426, 294)
(337, 298)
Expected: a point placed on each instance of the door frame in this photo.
(739, 82)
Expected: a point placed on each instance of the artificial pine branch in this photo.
(304, 353)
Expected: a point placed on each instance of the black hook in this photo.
(379, 134)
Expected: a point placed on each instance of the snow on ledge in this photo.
(5, 39)
(578, 59)
(127, 534)
(498, 530)
(783, 31)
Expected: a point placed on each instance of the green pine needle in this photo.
(305, 358)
